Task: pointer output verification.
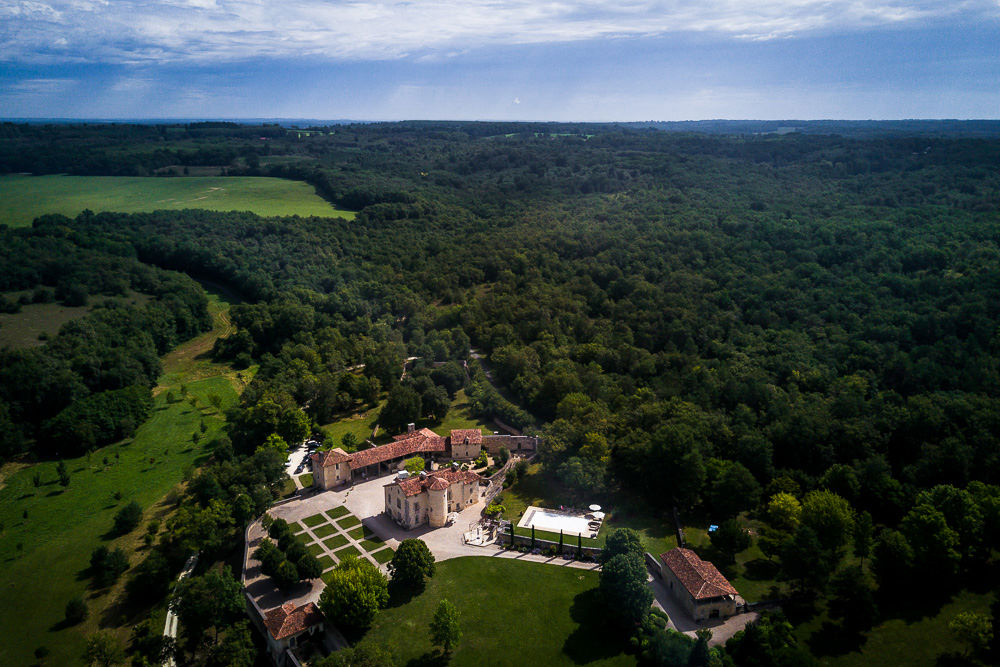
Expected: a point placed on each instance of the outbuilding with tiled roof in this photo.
(698, 585)
(288, 625)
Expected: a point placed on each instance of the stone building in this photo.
(697, 585)
(288, 625)
(430, 497)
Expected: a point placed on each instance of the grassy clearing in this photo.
(349, 521)
(359, 424)
(37, 321)
(460, 416)
(314, 520)
(550, 616)
(63, 525)
(306, 480)
(326, 562)
(357, 533)
(23, 198)
(296, 528)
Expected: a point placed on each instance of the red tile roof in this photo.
(698, 576)
(438, 480)
(474, 435)
(424, 440)
(286, 621)
(331, 457)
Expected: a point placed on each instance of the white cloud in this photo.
(139, 31)
(41, 86)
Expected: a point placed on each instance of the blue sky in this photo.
(489, 59)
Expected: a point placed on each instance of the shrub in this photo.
(128, 518)
(76, 610)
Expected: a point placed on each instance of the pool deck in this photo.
(528, 518)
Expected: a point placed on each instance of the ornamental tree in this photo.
(355, 593)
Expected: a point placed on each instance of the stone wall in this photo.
(513, 443)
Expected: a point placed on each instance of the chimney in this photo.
(410, 427)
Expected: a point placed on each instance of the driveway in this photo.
(722, 629)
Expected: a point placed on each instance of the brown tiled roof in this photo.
(285, 621)
(698, 576)
(331, 457)
(424, 440)
(439, 480)
(459, 435)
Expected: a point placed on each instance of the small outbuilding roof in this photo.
(701, 579)
(287, 620)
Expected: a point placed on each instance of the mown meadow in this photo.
(23, 197)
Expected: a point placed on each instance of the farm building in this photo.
(697, 585)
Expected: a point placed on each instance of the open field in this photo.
(20, 330)
(48, 532)
(512, 613)
(23, 198)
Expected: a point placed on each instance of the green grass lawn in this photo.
(383, 556)
(460, 416)
(314, 520)
(347, 551)
(325, 562)
(357, 533)
(511, 612)
(337, 512)
(372, 545)
(306, 480)
(296, 528)
(324, 530)
(337, 540)
(349, 521)
(316, 549)
(23, 198)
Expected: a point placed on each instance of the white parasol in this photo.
(595, 508)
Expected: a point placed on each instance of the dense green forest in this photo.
(712, 323)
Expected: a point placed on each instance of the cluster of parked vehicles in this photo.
(306, 463)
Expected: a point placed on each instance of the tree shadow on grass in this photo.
(594, 638)
(834, 640)
(434, 658)
(400, 595)
(760, 569)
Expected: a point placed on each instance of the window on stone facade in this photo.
(398, 503)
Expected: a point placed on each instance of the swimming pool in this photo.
(553, 522)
